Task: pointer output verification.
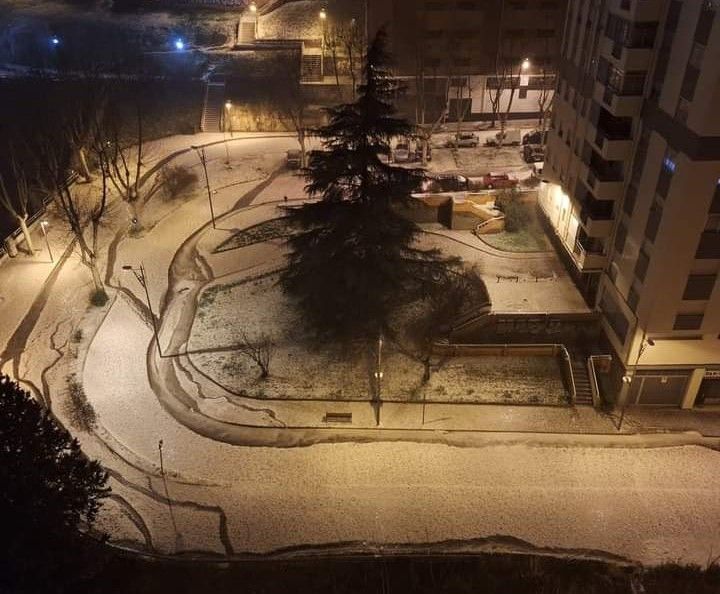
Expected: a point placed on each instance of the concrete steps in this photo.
(583, 392)
(311, 70)
(212, 107)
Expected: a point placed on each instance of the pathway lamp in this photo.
(628, 378)
(141, 278)
(200, 150)
(44, 225)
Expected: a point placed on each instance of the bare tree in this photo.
(17, 198)
(83, 211)
(290, 100)
(544, 99)
(352, 42)
(259, 350)
(124, 158)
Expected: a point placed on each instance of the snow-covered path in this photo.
(648, 505)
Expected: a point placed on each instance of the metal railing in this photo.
(594, 386)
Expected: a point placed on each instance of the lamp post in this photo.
(167, 494)
(228, 107)
(378, 381)
(628, 379)
(44, 226)
(323, 19)
(140, 276)
(200, 150)
(253, 10)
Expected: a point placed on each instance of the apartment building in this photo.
(633, 188)
(463, 41)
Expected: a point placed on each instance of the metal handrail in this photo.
(594, 386)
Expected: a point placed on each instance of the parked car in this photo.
(445, 182)
(401, 152)
(499, 180)
(535, 137)
(509, 137)
(532, 153)
(465, 139)
(294, 159)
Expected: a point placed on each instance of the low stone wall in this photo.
(478, 350)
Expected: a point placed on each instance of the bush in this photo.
(176, 179)
(79, 410)
(99, 298)
(517, 214)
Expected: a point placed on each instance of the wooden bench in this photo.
(337, 417)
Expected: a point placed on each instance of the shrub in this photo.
(176, 179)
(517, 216)
(99, 298)
(80, 412)
(77, 335)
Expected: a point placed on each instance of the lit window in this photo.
(669, 164)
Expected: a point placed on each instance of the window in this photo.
(614, 316)
(632, 299)
(620, 238)
(688, 321)
(699, 286)
(709, 246)
(715, 206)
(630, 198)
(641, 265)
(705, 22)
(653, 222)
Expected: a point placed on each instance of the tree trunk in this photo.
(301, 142)
(135, 210)
(84, 169)
(97, 279)
(26, 234)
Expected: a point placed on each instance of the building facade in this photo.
(474, 44)
(633, 188)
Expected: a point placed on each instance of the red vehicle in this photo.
(499, 180)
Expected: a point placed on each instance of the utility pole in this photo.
(378, 381)
(200, 150)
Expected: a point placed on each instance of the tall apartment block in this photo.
(633, 189)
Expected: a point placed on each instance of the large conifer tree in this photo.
(353, 262)
(48, 491)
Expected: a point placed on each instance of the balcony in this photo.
(637, 10)
(586, 260)
(603, 187)
(596, 216)
(615, 103)
(611, 136)
(625, 58)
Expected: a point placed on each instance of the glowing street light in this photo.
(525, 64)
(44, 226)
(179, 44)
(253, 7)
(323, 14)
(628, 379)
(55, 40)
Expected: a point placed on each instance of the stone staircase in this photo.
(311, 67)
(583, 392)
(212, 107)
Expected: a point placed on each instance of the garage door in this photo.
(658, 390)
(709, 392)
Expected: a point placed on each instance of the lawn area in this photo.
(304, 366)
(530, 239)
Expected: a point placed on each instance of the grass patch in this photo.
(80, 412)
(530, 239)
(265, 231)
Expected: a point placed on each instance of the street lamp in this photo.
(323, 19)
(253, 10)
(44, 226)
(200, 150)
(628, 378)
(179, 44)
(525, 64)
(140, 276)
(228, 124)
(55, 40)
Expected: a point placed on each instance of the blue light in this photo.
(179, 44)
(55, 40)
(669, 164)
